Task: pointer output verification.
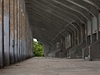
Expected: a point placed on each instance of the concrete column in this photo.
(73, 41)
(72, 38)
(46, 50)
(91, 31)
(1, 34)
(89, 56)
(80, 32)
(12, 32)
(85, 33)
(99, 25)
(32, 45)
(88, 32)
(16, 30)
(6, 33)
(84, 30)
(23, 36)
(20, 33)
(26, 43)
(94, 29)
(83, 53)
(77, 30)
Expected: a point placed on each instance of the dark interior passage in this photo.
(66, 28)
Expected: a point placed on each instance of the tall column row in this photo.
(15, 34)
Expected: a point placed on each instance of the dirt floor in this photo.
(53, 66)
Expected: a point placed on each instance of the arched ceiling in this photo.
(49, 18)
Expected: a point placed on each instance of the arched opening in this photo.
(37, 48)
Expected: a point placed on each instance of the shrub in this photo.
(38, 49)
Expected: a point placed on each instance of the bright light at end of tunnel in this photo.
(35, 40)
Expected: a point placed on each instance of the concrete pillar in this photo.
(84, 30)
(22, 36)
(72, 37)
(16, 30)
(80, 32)
(94, 29)
(20, 33)
(88, 32)
(19, 30)
(77, 31)
(83, 53)
(99, 25)
(32, 45)
(27, 41)
(89, 56)
(46, 49)
(1, 34)
(6, 33)
(12, 32)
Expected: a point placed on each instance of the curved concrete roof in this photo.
(50, 19)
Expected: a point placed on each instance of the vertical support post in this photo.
(91, 31)
(16, 30)
(83, 53)
(82, 35)
(98, 25)
(21, 34)
(94, 29)
(1, 35)
(89, 53)
(12, 32)
(6, 33)
(86, 33)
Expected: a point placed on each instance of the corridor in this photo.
(65, 28)
(53, 66)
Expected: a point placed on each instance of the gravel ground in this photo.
(53, 66)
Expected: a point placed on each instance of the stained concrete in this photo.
(53, 66)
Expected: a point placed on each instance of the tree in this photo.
(38, 49)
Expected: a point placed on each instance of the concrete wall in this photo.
(46, 49)
(15, 34)
(75, 51)
(93, 51)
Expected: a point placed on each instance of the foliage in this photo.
(38, 49)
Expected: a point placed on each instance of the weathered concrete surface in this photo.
(53, 66)
(16, 40)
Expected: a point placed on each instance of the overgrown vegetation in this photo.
(38, 49)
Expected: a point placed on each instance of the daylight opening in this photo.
(37, 48)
